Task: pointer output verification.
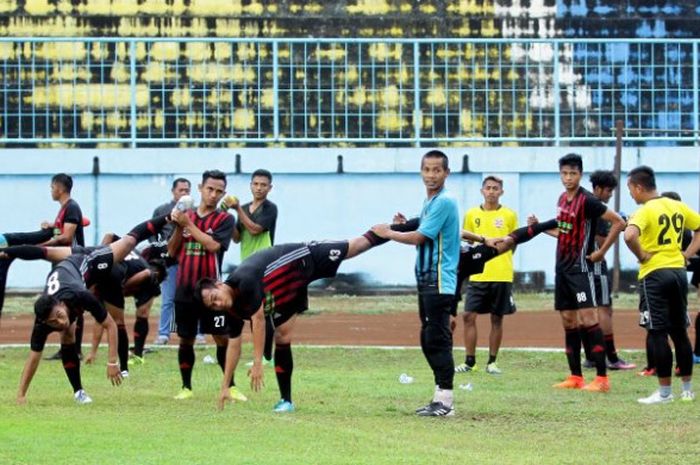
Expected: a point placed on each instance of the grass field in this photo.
(351, 409)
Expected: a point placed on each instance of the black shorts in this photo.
(190, 316)
(490, 297)
(663, 299)
(573, 291)
(97, 266)
(603, 290)
(326, 258)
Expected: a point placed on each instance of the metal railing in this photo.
(140, 92)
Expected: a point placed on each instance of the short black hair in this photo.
(262, 172)
(571, 159)
(493, 178)
(643, 176)
(43, 306)
(63, 179)
(179, 180)
(437, 154)
(202, 285)
(603, 178)
(671, 195)
(214, 174)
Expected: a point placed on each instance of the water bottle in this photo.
(405, 379)
(228, 201)
(185, 203)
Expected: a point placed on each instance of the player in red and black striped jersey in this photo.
(200, 238)
(578, 212)
(67, 294)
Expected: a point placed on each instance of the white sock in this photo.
(445, 396)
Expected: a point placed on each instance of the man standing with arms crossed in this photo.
(198, 242)
(574, 296)
(654, 235)
(490, 291)
(437, 241)
(181, 186)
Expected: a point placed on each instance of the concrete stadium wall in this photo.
(314, 200)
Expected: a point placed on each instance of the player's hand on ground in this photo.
(224, 396)
(114, 374)
(381, 230)
(3, 256)
(90, 358)
(532, 219)
(399, 218)
(21, 400)
(256, 376)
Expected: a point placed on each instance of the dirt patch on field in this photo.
(523, 329)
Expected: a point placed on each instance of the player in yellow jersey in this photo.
(490, 291)
(654, 235)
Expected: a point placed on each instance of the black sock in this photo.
(123, 347)
(610, 349)
(492, 359)
(284, 365)
(651, 363)
(526, 233)
(470, 360)
(26, 252)
(140, 333)
(663, 356)
(79, 326)
(697, 334)
(149, 228)
(595, 335)
(585, 342)
(573, 350)
(29, 238)
(185, 356)
(4, 270)
(71, 365)
(221, 358)
(684, 351)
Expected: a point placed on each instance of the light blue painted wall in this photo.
(314, 201)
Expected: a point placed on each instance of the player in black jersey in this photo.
(67, 294)
(134, 277)
(272, 285)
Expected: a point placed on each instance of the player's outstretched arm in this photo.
(28, 372)
(233, 354)
(255, 373)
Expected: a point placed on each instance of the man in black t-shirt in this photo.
(67, 294)
(574, 297)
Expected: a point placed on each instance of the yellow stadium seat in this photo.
(358, 97)
(99, 51)
(222, 51)
(181, 97)
(427, 8)
(39, 7)
(158, 119)
(254, 8)
(198, 51)
(488, 29)
(246, 51)
(218, 98)
(116, 120)
(97, 8)
(207, 8)
(123, 8)
(158, 71)
(178, 8)
(64, 7)
(155, 7)
(369, 7)
(267, 100)
(227, 28)
(334, 53)
(436, 97)
(198, 28)
(313, 8)
(165, 51)
(391, 98)
(68, 72)
(7, 6)
(273, 29)
(7, 51)
(87, 120)
(390, 121)
(243, 119)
